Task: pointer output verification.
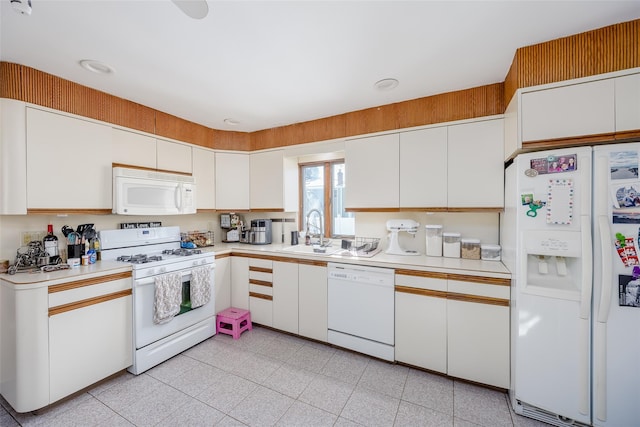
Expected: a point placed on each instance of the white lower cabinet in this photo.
(285, 296)
(478, 331)
(60, 338)
(240, 282)
(312, 301)
(421, 322)
(89, 344)
(457, 325)
(223, 283)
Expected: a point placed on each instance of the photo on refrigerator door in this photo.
(555, 164)
(623, 165)
(629, 289)
(625, 201)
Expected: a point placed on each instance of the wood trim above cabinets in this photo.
(75, 211)
(597, 139)
(144, 168)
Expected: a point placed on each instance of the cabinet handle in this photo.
(261, 296)
(420, 291)
(87, 302)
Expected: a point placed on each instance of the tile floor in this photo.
(267, 378)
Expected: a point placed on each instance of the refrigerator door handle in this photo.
(607, 263)
(587, 277)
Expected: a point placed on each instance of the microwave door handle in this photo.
(178, 197)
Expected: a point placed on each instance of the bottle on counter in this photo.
(50, 243)
(97, 247)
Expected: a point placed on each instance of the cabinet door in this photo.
(475, 167)
(423, 165)
(13, 160)
(69, 162)
(174, 157)
(372, 176)
(267, 184)
(285, 296)
(232, 181)
(627, 102)
(222, 285)
(204, 162)
(575, 110)
(421, 322)
(478, 332)
(130, 148)
(312, 301)
(88, 344)
(240, 282)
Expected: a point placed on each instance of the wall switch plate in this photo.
(30, 236)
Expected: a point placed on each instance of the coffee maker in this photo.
(260, 233)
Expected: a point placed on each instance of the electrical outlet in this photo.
(30, 236)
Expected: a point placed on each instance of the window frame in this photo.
(327, 194)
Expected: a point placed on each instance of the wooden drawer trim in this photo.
(220, 256)
(477, 299)
(418, 273)
(312, 262)
(422, 292)
(88, 282)
(82, 211)
(88, 302)
(260, 283)
(261, 296)
(480, 279)
(261, 269)
(255, 256)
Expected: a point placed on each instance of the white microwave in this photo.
(148, 192)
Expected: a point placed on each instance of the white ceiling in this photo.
(272, 63)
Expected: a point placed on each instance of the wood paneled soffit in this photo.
(607, 49)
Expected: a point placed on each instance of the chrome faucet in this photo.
(321, 228)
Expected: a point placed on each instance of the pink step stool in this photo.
(233, 321)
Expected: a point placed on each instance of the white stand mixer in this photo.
(395, 226)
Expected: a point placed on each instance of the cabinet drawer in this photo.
(479, 289)
(262, 290)
(260, 276)
(261, 310)
(85, 289)
(422, 282)
(260, 263)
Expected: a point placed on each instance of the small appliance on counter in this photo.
(395, 226)
(260, 233)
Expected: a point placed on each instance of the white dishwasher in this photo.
(361, 309)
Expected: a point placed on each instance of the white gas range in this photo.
(154, 253)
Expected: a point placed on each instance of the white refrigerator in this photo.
(569, 235)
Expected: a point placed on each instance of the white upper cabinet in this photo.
(174, 157)
(475, 172)
(274, 181)
(568, 111)
(204, 172)
(13, 160)
(69, 162)
(372, 172)
(423, 168)
(134, 149)
(627, 102)
(232, 181)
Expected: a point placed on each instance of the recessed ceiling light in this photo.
(231, 122)
(386, 84)
(96, 66)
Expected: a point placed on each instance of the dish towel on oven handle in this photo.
(200, 286)
(168, 297)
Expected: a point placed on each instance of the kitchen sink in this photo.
(312, 250)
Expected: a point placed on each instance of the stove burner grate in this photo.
(182, 252)
(139, 258)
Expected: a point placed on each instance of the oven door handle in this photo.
(152, 279)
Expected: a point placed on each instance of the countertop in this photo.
(412, 262)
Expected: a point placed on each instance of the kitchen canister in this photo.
(470, 248)
(451, 245)
(433, 239)
(490, 252)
